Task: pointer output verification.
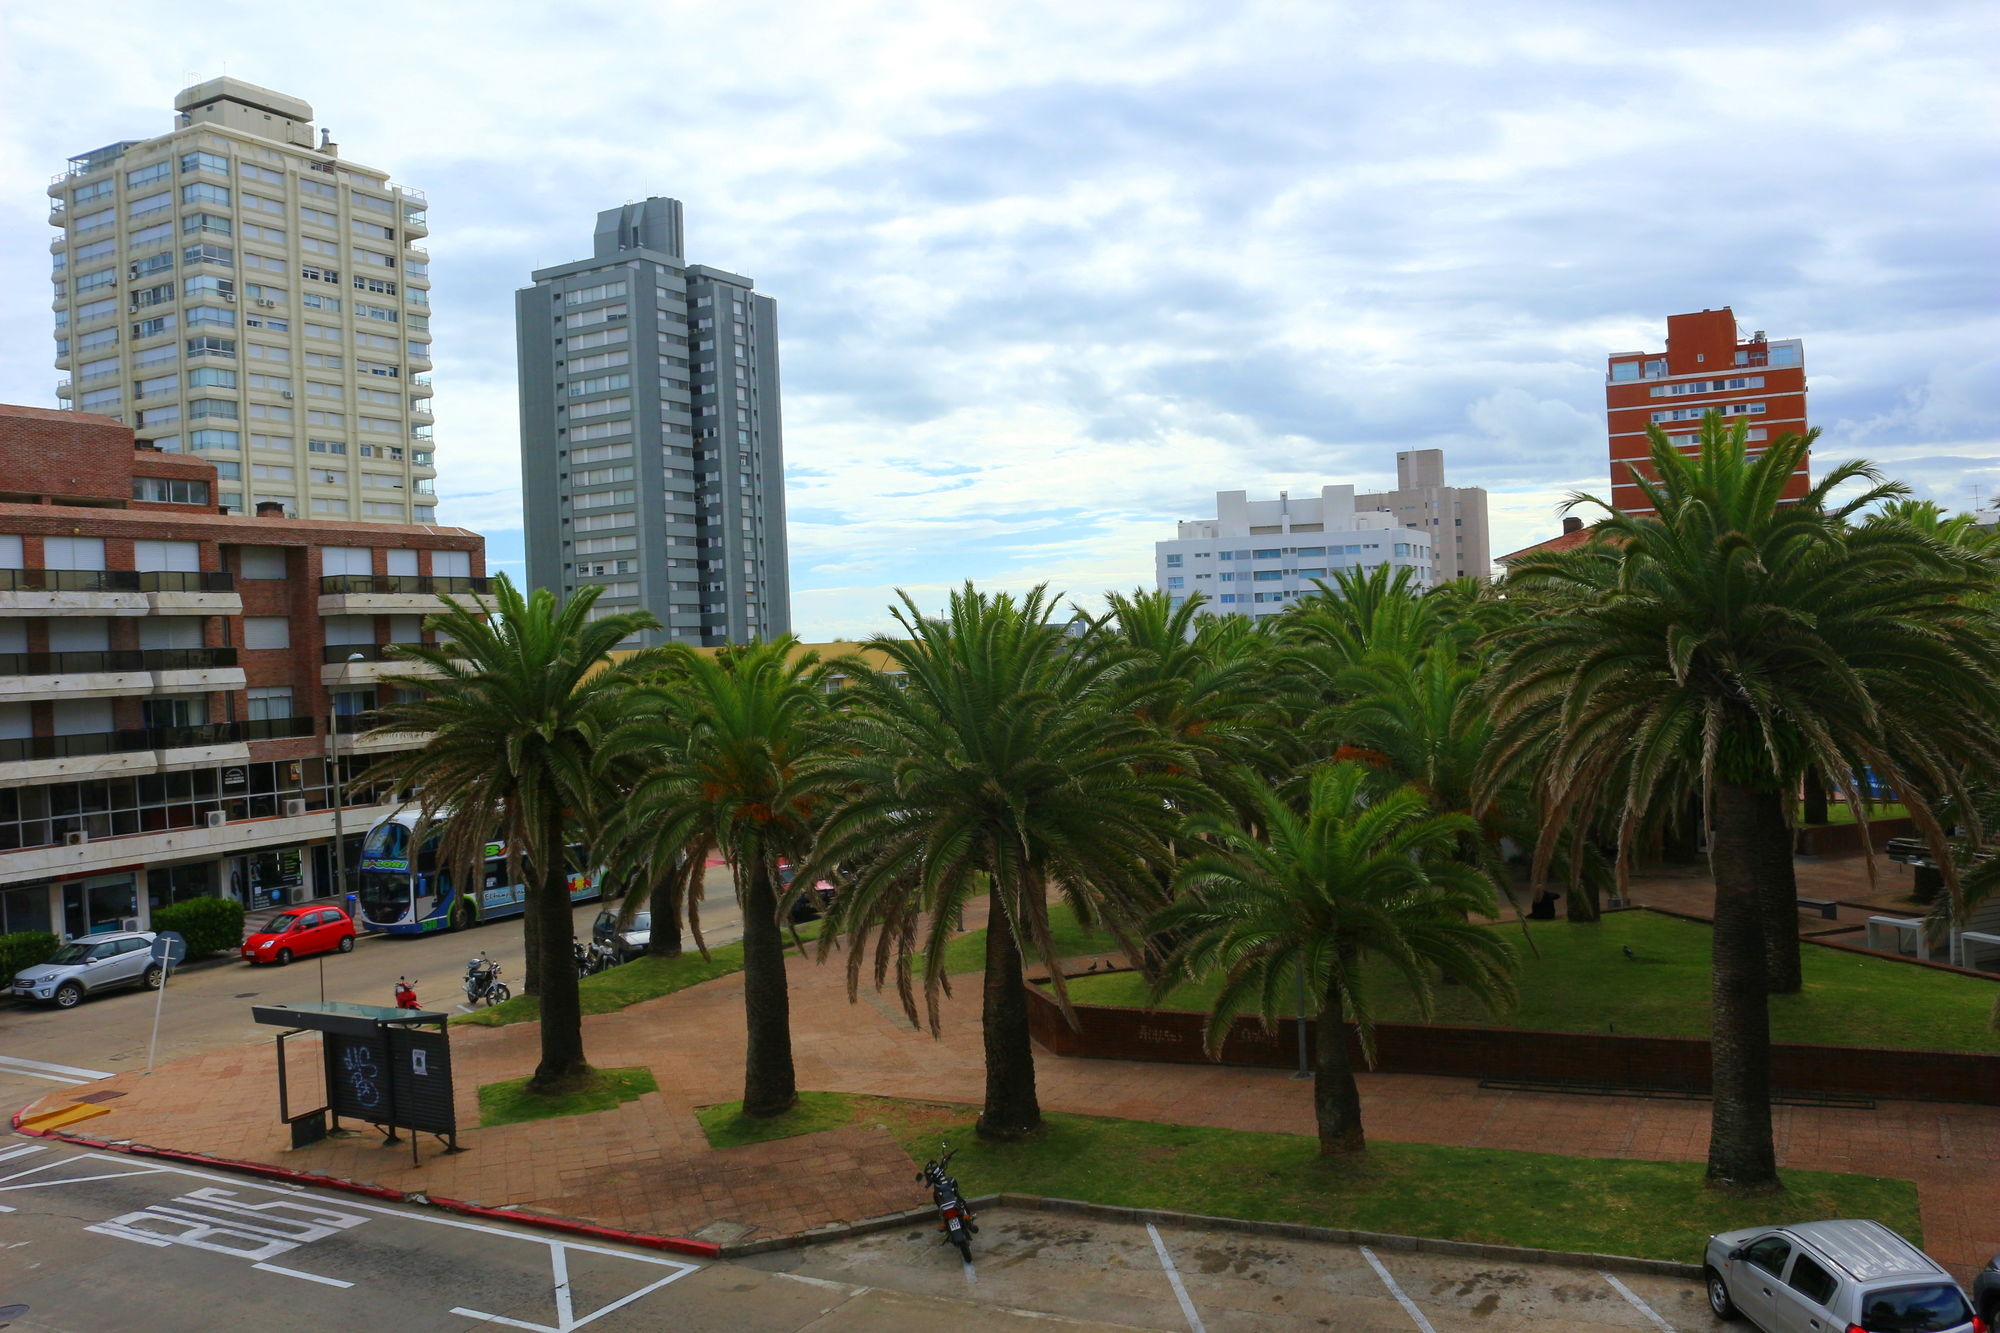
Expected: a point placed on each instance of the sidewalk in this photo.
(646, 1166)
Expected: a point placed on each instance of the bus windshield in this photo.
(385, 895)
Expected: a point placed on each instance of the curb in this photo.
(1620, 1263)
(539, 1221)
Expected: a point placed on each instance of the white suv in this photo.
(91, 964)
(1832, 1277)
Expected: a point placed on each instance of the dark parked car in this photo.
(1986, 1292)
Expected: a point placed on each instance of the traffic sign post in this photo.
(168, 948)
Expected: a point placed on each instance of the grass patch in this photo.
(1837, 812)
(630, 983)
(1583, 982)
(727, 1126)
(967, 953)
(1656, 1210)
(510, 1102)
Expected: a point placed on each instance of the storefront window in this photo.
(99, 906)
(24, 908)
(176, 884)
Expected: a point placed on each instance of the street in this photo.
(208, 1006)
(93, 1241)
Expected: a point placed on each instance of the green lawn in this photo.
(1583, 982)
(967, 953)
(1656, 1210)
(1837, 812)
(640, 979)
(727, 1127)
(510, 1102)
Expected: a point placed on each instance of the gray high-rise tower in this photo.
(652, 454)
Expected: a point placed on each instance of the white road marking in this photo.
(1409, 1306)
(20, 1066)
(21, 1150)
(1638, 1304)
(310, 1277)
(1174, 1276)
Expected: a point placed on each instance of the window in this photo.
(159, 416)
(379, 397)
(317, 389)
(269, 703)
(270, 412)
(257, 231)
(207, 284)
(362, 310)
(265, 322)
(318, 217)
(318, 418)
(100, 400)
(375, 342)
(154, 295)
(1811, 1281)
(213, 377)
(373, 258)
(211, 346)
(152, 356)
(321, 330)
(1173, 562)
(159, 231)
(165, 490)
(212, 407)
(1177, 581)
(380, 369)
(380, 481)
(599, 452)
(326, 476)
(320, 189)
(158, 385)
(85, 253)
(154, 203)
(208, 314)
(327, 504)
(379, 285)
(227, 471)
(271, 472)
(602, 476)
(90, 342)
(256, 203)
(373, 203)
(314, 245)
(96, 310)
(599, 499)
(1268, 554)
(220, 255)
(374, 231)
(420, 458)
(97, 221)
(90, 282)
(601, 384)
(323, 360)
(251, 172)
(207, 222)
(598, 430)
(598, 522)
(147, 328)
(1769, 1254)
(598, 407)
(381, 425)
(201, 192)
(159, 171)
(583, 341)
(375, 509)
(601, 292)
(601, 361)
(214, 162)
(1268, 575)
(226, 440)
(271, 383)
(326, 447)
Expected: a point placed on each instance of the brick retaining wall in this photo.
(1108, 1033)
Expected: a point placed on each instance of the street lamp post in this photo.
(339, 820)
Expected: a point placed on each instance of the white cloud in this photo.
(1049, 275)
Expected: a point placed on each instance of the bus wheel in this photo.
(462, 917)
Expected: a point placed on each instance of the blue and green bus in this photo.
(404, 891)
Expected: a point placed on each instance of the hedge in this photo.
(24, 949)
(210, 925)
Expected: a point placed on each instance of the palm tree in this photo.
(1718, 646)
(995, 754)
(719, 742)
(518, 694)
(1357, 877)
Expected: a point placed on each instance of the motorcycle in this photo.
(954, 1214)
(579, 952)
(602, 956)
(406, 994)
(482, 982)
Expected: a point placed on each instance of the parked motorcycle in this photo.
(482, 982)
(602, 956)
(954, 1214)
(406, 994)
(579, 953)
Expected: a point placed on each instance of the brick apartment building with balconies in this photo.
(182, 691)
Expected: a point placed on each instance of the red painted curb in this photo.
(674, 1244)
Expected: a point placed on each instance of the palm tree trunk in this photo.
(1012, 1109)
(770, 1086)
(1814, 805)
(1778, 887)
(563, 1067)
(665, 907)
(531, 942)
(1336, 1098)
(1741, 1154)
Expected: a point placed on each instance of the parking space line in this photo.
(1174, 1277)
(310, 1277)
(42, 1069)
(1638, 1304)
(1409, 1306)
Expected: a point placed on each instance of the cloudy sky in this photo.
(1050, 274)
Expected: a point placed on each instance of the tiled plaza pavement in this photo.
(646, 1166)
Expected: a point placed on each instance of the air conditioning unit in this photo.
(216, 819)
(287, 392)
(229, 296)
(128, 923)
(268, 305)
(295, 808)
(76, 839)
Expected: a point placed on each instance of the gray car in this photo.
(89, 965)
(1831, 1277)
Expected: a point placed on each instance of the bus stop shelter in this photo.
(386, 1067)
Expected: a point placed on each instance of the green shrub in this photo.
(23, 949)
(210, 925)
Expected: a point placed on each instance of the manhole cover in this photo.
(100, 1097)
(248, 995)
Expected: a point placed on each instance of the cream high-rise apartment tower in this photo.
(236, 288)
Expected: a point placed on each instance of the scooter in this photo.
(954, 1214)
(406, 994)
(482, 982)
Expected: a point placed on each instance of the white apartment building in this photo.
(1453, 516)
(1257, 557)
(234, 289)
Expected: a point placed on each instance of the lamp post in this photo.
(339, 822)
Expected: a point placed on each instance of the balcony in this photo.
(64, 389)
(366, 663)
(343, 594)
(117, 592)
(416, 222)
(137, 750)
(354, 733)
(98, 675)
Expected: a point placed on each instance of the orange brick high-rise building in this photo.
(1707, 366)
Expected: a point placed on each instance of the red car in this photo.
(295, 934)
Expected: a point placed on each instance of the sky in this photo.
(1049, 275)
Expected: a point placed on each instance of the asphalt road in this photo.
(97, 1242)
(207, 1006)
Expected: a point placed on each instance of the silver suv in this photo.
(1832, 1277)
(86, 966)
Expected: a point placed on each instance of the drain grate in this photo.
(100, 1097)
